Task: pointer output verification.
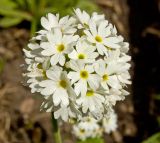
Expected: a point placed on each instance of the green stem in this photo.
(33, 26)
(56, 131)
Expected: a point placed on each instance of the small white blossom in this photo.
(101, 36)
(91, 101)
(57, 46)
(88, 127)
(81, 76)
(107, 74)
(65, 24)
(110, 123)
(56, 85)
(84, 52)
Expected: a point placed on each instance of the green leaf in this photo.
(21, 3)
(88, 5)
(15, 13)
(157, 97)
(9, 4)
(153, 139)
(32, 5)
(92, 140)
(9, 21)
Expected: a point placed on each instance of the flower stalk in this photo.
(56, 131)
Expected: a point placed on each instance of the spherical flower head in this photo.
(78, 64)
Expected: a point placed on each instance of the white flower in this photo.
(64, 113)
(113, 96)
(80, 133)
(66, 24)
(57, 46)
(84, 51)
(108, 77)
(98, 17)
(124, 78)
(84, 18)
(56, 85)
(101, 36)
(88, 127)
(110, 124)
(81, 76)
(89, 123)
(91, 101)
(34, 85)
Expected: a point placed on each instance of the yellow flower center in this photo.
(98, 39)
(105, 77)
(63, 83)
(90, 93)
(81, 56)
(39, 66)
(60, 48)
(88, 119)
(82, 130)
(84, 74)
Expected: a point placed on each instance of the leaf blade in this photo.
(15, 13)
(10, 21)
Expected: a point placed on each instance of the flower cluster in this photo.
(88, 127)
(78, 64)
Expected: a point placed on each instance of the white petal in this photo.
(104, 85)
(100, 49)
(64, 98)
(60, 96)
(113, 82)
(51, 38)
(76, 65)
(53, 20)
(74, 76)
(54, 59)
(73, 55)
(81, 87)
(111, 45)
(92, 27)
(89, 68)
(91, 105)
(94, 81)
(58, 35)
(45, 45)
(61, 60)
(102, 29)
(33, 46)
(45, 23)
(54, 74)
(47, 91)
(46, 83)
(48, 52)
